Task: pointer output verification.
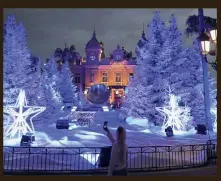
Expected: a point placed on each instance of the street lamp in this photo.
(205, 43)
(205, 48)
(213, 35)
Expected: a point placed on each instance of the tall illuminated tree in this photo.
(144, 90)
(49, 94)
(65, 84)
(16, 61)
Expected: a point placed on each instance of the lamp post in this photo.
(204, 42)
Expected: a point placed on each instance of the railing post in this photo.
(62, 158)
(192, 149)
(156, 156)
(169, 156)
(29, 150)
(181, 150)
(141, 163)
(12, 158)
(46, 153)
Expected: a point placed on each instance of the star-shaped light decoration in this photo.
(175, 116)
(20, 112)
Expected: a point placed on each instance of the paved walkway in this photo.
(209, 170)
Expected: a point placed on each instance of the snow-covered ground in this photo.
(139, 133)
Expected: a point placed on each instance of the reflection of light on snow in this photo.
(72, 126)
(137, 121)
(91, 133)
(145, 131)
(85, 137)
(180, 133)
(62, 108)
(73, 109)
(12, 142)
(105, 108)
(185, 133)
(214, 112)
(90, 157)
(65, 138)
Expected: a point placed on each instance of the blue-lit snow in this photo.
(139, 133)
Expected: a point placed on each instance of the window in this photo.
(104, 77)
(118, 57)
(118, 77)
(92, 57)
(77, 78)
(78, 62)
(131, 75)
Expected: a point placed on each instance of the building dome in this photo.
(74, 54)
(142, 41)
(93, 43)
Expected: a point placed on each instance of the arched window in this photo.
(77, 78)
(118, 77)
(104, 77)
(118, 57)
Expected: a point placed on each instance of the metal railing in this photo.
(86, 160)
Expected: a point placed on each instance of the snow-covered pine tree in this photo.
(11, 57)
(187, 81)
(144, 90)
(17, 72)
(183, 71)
(67, 89)
(52, 77)
(49, 95)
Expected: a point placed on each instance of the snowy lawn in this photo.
(139, 133)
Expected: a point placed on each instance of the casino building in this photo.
(113, 71)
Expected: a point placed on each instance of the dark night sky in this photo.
(48, 28)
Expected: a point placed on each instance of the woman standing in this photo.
(118, 159)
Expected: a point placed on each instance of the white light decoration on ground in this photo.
(175, 116)
(84, 118)
(73, 108)
(62, 108)
(214, 112)
(20, 112)
(105, 108)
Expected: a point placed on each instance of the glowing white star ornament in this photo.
(20, 112)
(175, 116)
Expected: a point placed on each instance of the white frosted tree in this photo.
(187, 82)
(67, 89)
(144, 90)
(16, 61)
(164, 61)
(52, 78)
(49, 94)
